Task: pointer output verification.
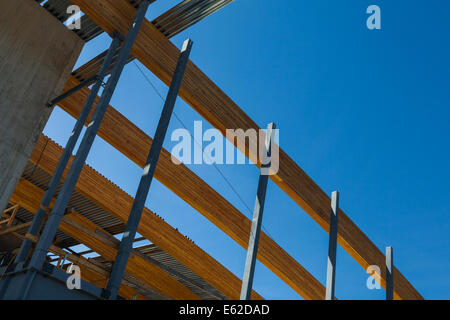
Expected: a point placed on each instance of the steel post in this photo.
(144, 185)
(389, 273)
(332, 246)
(253, 242)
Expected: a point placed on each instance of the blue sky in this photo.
(365, 112)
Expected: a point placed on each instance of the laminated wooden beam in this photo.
(111, 198)
(159, 55)
(28, 196)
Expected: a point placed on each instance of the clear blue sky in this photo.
(364, 112)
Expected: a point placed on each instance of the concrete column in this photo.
(37, 54)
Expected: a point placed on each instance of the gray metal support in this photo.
(69, 92)
(389, 273)
(250, 262)
(63, 198)
(332, 246)
(67, 152)
(144, 185)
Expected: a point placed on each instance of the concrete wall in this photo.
(37, 54)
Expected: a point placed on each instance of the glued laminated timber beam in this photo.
(159, 55)
(28, 197)
(112, 199)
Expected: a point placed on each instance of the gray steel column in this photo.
(250, 262)
(69, 184)
(67, 152)
(332, 246)
(144, 185)
(389, 273)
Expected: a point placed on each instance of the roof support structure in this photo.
(127, 138)
(51, 227)
(332, 246)
(112, 199)
(75, 225)
(109, 240)
(147, 176)
(62, 163)
(389, 273)
(253, 242)
(158, 54)
(90, 272)
(69, 92)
